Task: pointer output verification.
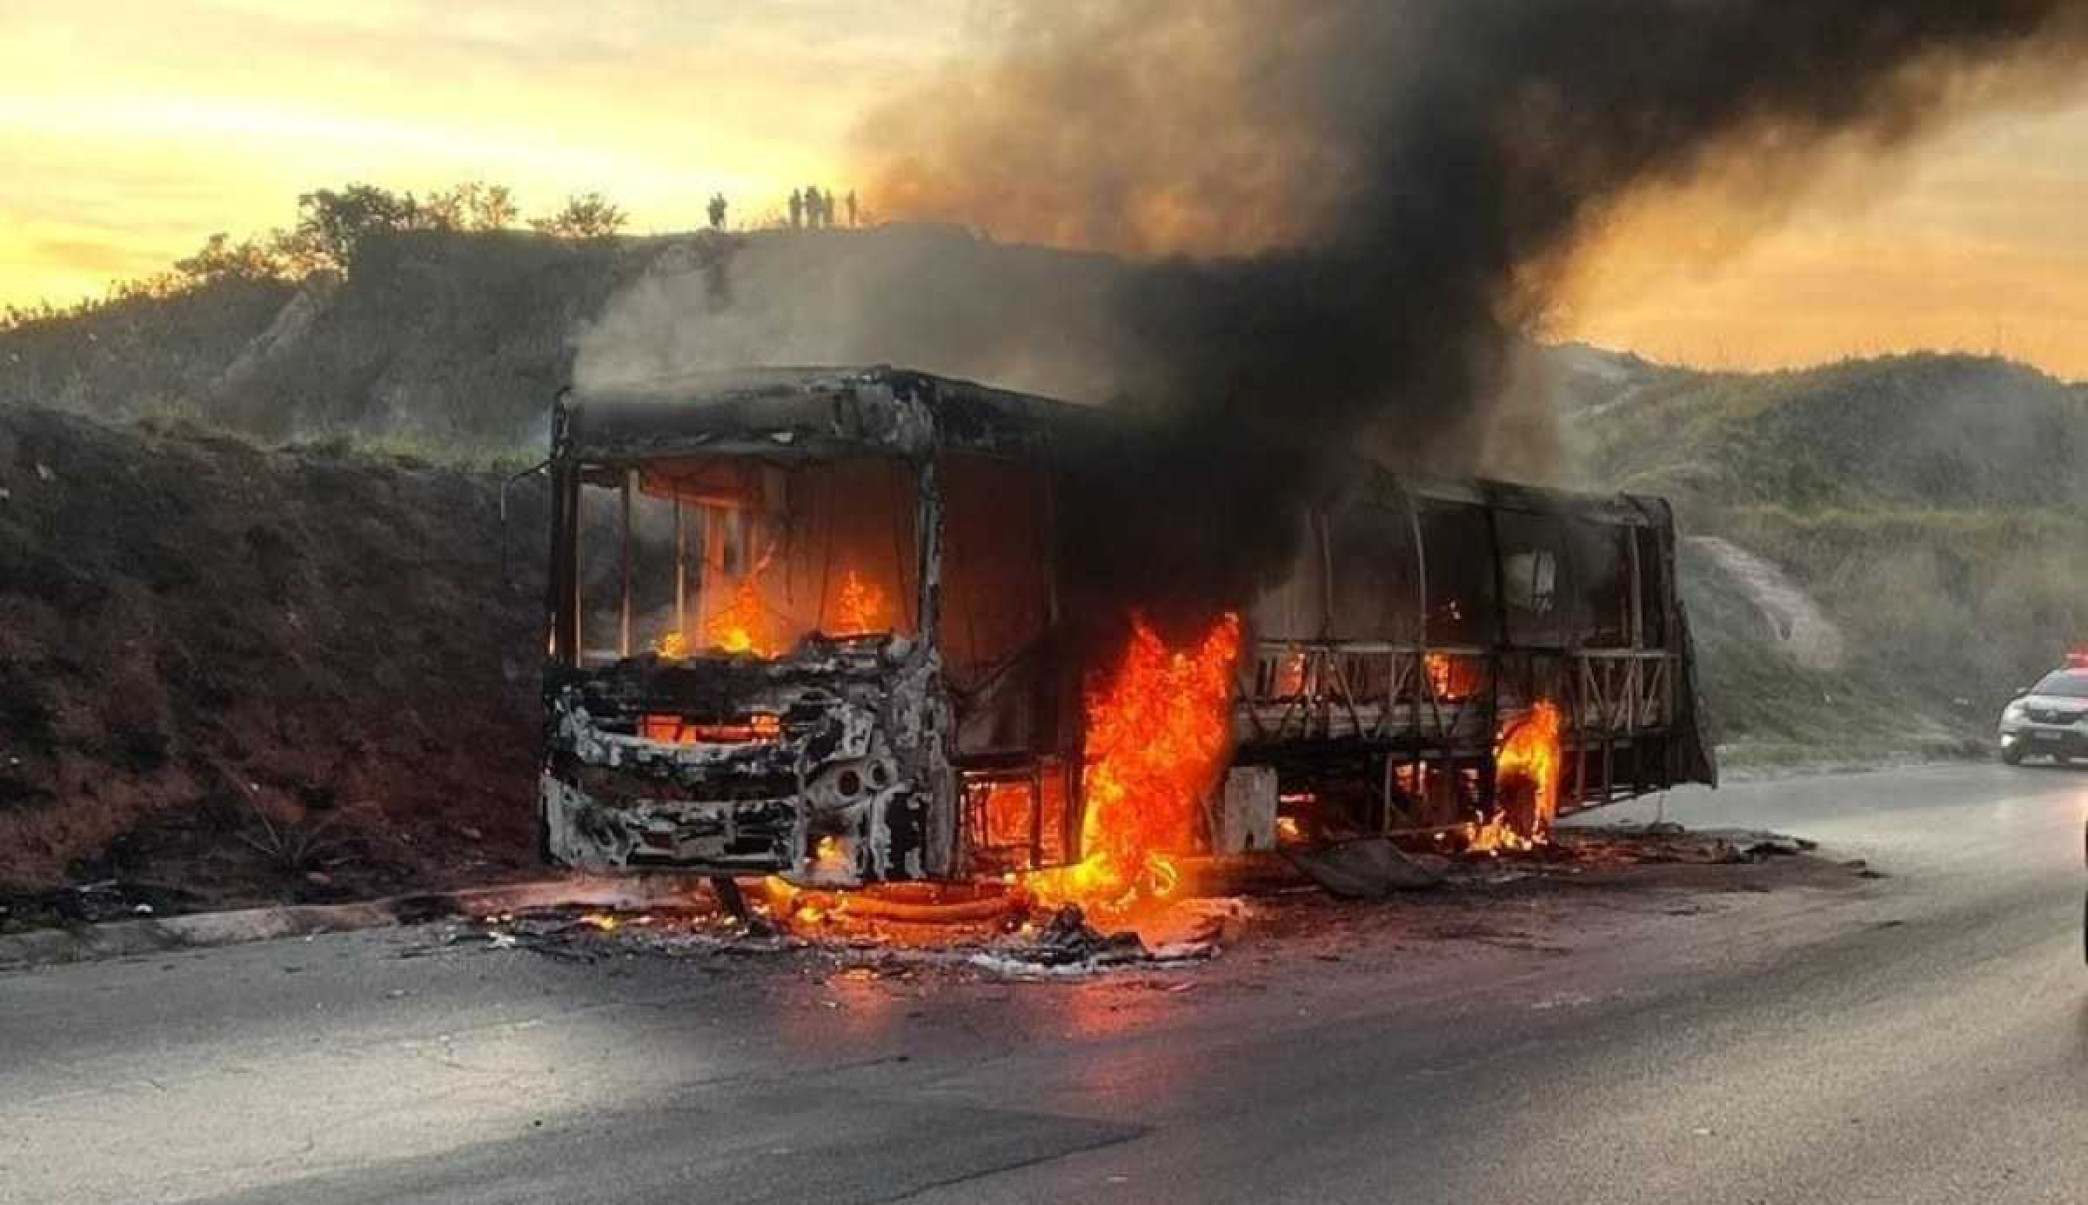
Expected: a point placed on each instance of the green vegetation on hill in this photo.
(1931, 432)
(1936, 507)
(445, 338)
(375, 314)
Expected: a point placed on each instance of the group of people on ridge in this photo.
(809, 207)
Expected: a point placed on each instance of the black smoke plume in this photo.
(1345, 211)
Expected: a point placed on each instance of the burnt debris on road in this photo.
(1223, 904)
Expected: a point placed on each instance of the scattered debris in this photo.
(1064, 944)
(90, 903)
(729, 897)
(1004, 932)
(1067, 939)
(1663, 842)
(1777, 847)
(1368, 868)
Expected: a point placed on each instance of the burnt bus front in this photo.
(747, 672)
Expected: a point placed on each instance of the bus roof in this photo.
(805, 413)
(790, 414)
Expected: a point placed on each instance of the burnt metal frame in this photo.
(566, 530)
(1610, 698)
(564, 604)
(1610, 695)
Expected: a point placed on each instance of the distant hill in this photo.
(444, 337)
(448, 339)
(1931, 431)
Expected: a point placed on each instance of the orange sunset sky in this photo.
(130, 131)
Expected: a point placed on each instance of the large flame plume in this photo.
(740, 626)
(1157, 737)
(1527, 762)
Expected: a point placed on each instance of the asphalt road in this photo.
(1918, 1037)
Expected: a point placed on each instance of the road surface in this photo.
(1917, 1037)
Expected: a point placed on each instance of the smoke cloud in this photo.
(1358, 203)
(927, 297)
(1344, 215)
(1337, 221)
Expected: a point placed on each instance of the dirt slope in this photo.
(1796, 623)
(251, 672)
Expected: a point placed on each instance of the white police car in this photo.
(2051, 718)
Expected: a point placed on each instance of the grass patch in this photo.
(417, 451)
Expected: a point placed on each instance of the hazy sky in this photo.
(130, 131)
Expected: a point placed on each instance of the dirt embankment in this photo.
(247, 673)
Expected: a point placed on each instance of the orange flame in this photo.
(759, 728)
(1529, 760)
(829, 857)
(673, 646)
(1156, 741)
(1438, 667)
(1290, 676)
(861, 606)
(741, 627)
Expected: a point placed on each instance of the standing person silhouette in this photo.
(717, 211)
(851, 202)
(797, 209)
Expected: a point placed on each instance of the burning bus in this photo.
(840, 626)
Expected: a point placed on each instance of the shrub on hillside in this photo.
(584, 216)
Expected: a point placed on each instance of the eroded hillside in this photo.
(271, 669)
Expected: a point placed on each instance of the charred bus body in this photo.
(798, 620)
(1425, 623)
(823, 624)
